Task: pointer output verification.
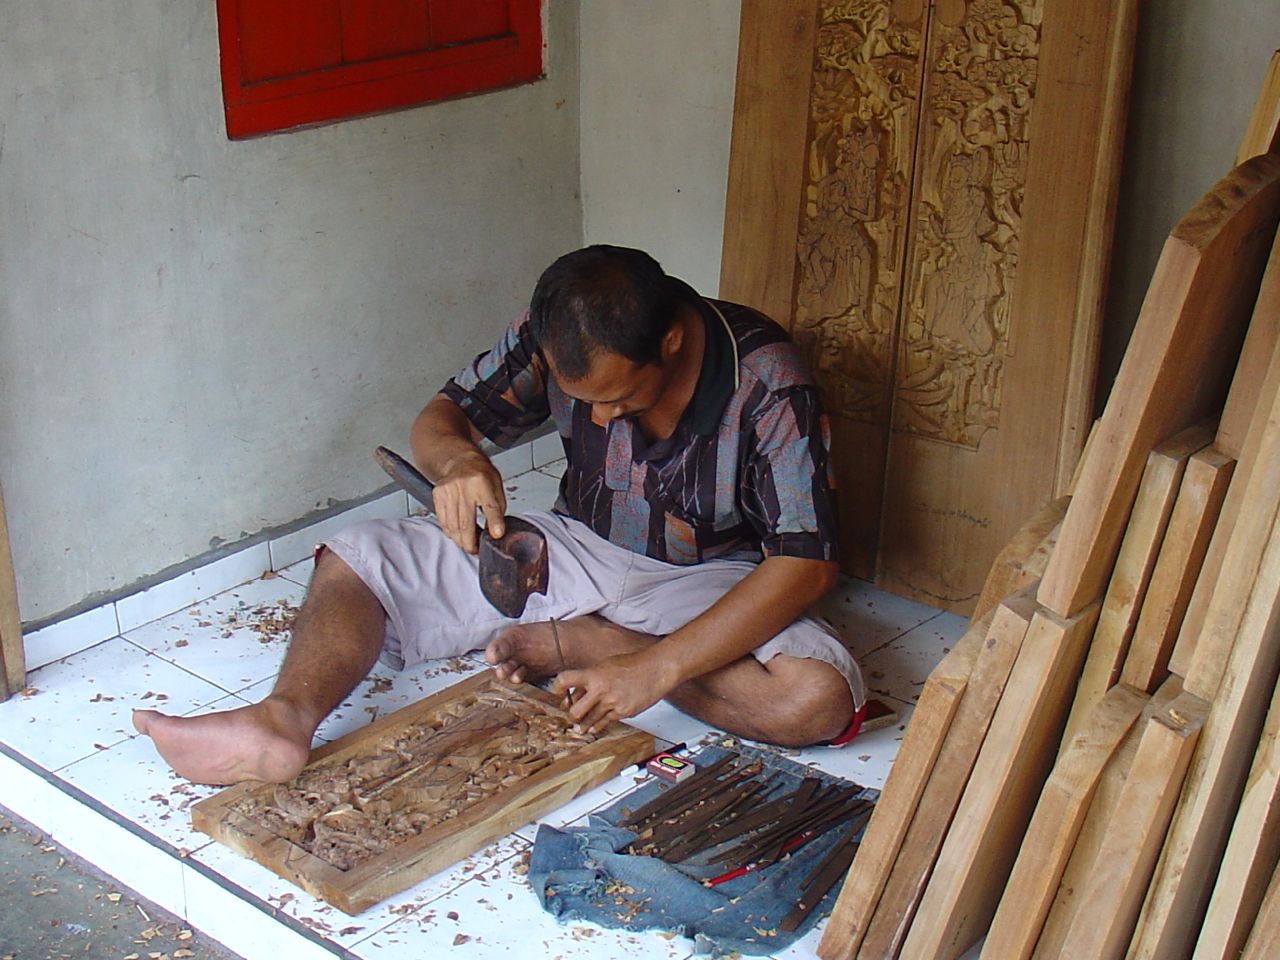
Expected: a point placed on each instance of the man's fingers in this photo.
(494, 520)
(598, 719)
(566, 680)
(584, 700)
(506, 670)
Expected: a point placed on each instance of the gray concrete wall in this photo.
(657, 112)
(201, 339)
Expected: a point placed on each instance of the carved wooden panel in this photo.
(966, 220)
(381, 808)
(863, 107)
(954, 196)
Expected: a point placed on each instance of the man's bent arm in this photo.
(757, 608)
(446, 447)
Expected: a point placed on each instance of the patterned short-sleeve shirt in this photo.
(746, 473)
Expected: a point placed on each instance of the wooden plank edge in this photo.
(1135, 561)
(1253, 389)
(1186, 542)
(912, 873)
(758, 261)
(1177, 900)
(1008, 573)
(1262, 135)
(1056, 823)
(1102, 810)
(13, 661)
(1096, 246)
(900, 798)
(1109, 906)
(1252, 854)
(1237, 214)
(1009, 774)
(1264, 939)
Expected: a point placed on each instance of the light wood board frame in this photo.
(1240, 632)
(13, 663)
(852, 181)
(1059, 815)
(437, 847)
(999, 800)
(1176, 370)
(881, 844)
(944, 794)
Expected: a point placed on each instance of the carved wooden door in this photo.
(924, 194)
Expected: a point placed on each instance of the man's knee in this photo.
(334, 576)
(818, 706)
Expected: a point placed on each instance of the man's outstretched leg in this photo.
(335, 643)
(789, 700)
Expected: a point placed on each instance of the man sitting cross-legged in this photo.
(695, 527)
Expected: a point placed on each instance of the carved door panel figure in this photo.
(939, 148)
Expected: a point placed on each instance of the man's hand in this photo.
(470, 481)
(614, 689)
(446, 449)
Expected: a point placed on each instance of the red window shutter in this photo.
(292, 62)
(457, 21)
(384, 28)
(288, 37)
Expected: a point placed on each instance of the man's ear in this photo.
(673, 339)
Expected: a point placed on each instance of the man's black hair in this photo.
(602, 299)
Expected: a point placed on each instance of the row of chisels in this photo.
(739, 815)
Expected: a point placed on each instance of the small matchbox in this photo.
(670, 768)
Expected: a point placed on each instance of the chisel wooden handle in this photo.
(407, 475)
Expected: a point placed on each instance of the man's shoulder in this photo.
(766, 353)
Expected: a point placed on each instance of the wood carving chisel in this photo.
(672, 813)
(822, 879)
(555, 635)
(658, 803)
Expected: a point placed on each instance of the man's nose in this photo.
(602, 413)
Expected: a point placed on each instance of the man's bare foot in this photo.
(264, 741)
(527, 652)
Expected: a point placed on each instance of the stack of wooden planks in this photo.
(1093, 770)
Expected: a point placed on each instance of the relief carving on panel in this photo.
(863, 105)
(965, 220)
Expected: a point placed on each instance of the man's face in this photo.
(617, 387)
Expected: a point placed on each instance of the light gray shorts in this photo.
(430, 590)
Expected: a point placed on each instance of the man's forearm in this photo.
(766, 601)
(441, 435)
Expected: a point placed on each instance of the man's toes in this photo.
(142, 720)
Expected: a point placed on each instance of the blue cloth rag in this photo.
(583, 873)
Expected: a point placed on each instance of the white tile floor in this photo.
(70, 762)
